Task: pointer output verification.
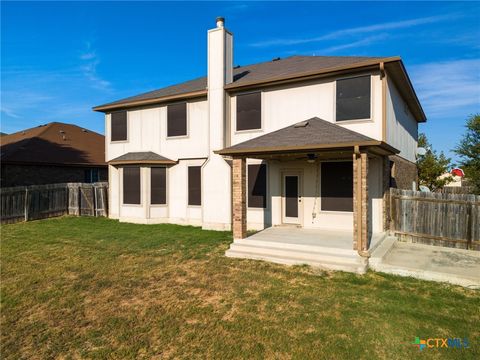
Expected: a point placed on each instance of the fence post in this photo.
(26, 204)
(392, 211)
(469, 226)
(94, 188)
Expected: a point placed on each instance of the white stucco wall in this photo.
(287, 105)
(402, 128)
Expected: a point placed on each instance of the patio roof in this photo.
(311, 135)
(146, 157)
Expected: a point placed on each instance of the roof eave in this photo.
(142, 162)
(312, 74)
(306, 148)
(119, 106)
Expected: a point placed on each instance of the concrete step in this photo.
(297, 247)
(378, 254)
(298, 254)
(360, 267)
(330, 260)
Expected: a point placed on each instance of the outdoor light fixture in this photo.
(311, 158)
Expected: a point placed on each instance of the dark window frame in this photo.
(112, 124)
(348, 206)
(139, 203)
(163, 187)
(370, 110)
(240, 130)
(186, 121)
(254, 198)
(190, 200)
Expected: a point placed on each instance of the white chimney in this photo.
(216, 172)
(220, 73)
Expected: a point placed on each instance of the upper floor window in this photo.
(118, 126)
(177, 120)
(249, 111)
(353, 98)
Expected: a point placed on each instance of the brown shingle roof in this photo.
(311, 134)
(143, 157)
(54, 143)
(289, 69)
(265, 71)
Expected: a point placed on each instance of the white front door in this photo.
(291, 199)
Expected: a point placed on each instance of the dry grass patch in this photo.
(96, 288)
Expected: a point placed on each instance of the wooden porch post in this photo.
(239, 199)
(361, 230)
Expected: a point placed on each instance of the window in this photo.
(337, 186)
(249, 111)
(353, 98)
(158, 185)
(194, 185)
(91, 175)
(177, 119)
(119, 126)
(257, 186)
(131, 185)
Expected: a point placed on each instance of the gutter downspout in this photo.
(383, 77)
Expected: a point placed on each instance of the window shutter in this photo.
(257, 186)
(131, 185)
(158, 185)
(119, 126)
(194, 185)
(249, 111)
(177, 119)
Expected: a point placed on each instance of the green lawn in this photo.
(95, 288)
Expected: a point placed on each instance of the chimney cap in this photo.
(220, 21)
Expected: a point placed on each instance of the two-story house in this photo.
(309, 141)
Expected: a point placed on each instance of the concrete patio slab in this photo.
(455, 266)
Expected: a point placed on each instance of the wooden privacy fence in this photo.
(451, 220)
(24, 203)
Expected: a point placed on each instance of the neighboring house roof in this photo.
(309, 135)
(55, 144)
(146, 157)
(281, 70)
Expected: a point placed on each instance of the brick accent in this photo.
(404, 173)
(239, 199)
(25, 175)
(386, 193)
(361, 229)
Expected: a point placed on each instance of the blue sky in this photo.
(58, 59)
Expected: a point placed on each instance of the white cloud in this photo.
(363, 42)
(357, 31)
(448, 88)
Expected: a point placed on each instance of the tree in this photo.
(431, 166)
(469, 151)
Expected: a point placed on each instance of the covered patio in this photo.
(316, 141)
